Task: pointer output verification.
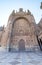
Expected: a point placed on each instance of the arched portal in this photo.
(21, 45)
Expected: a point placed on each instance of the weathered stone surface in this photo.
(21, 25)
(40, 28)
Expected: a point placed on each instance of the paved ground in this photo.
(30, 58)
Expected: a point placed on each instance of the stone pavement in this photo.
(20, 58)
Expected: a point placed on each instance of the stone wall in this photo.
(21, 25)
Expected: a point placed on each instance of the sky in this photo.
(7, 6)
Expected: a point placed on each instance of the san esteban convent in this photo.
(21, 33)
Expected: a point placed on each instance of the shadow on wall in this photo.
(40, 43)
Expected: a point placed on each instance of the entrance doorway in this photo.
(21, 45)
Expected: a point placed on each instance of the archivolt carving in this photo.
(21, 26)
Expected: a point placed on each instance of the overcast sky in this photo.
(7, 6)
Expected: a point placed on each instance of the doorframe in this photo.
(20, 49)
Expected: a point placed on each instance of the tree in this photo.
(41, 6)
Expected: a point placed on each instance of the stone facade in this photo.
(40, 33)
(20, 32)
